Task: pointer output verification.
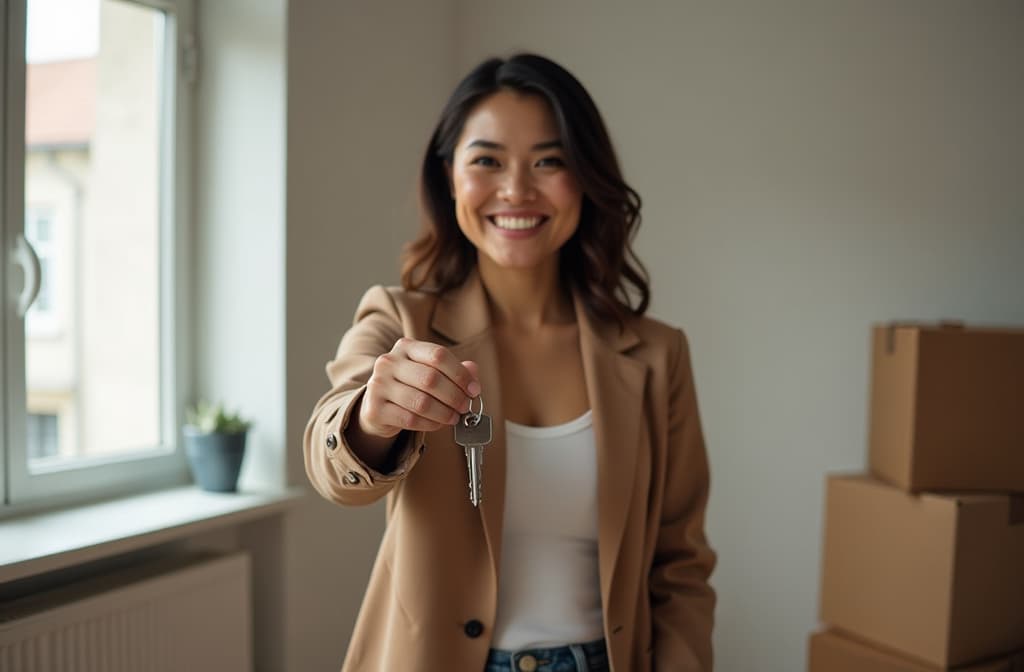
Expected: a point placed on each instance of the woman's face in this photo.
(515, 199)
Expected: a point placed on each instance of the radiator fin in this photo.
(191, 614)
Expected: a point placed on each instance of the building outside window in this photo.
(91, 366)
(42, 436)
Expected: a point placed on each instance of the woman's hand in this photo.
(418, 386)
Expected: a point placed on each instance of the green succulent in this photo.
(212, 418)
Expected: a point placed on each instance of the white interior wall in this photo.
(807, 168)
(238, 287)
(239, 283)
(366, 81)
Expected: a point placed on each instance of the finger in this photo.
(422, 402)
(474, 371)
(394, 415)
(431, 381)
(440, 358)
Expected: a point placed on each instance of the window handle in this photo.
(26, 257)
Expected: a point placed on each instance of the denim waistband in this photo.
(586, 657)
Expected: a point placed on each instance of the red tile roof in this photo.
(60, 102)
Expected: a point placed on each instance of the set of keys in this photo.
(473, 432)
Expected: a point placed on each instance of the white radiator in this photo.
(176, 615)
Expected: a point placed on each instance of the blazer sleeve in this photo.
(682, 600)
(332, 467)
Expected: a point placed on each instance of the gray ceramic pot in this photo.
(215, 459)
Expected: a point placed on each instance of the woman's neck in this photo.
(526, 299)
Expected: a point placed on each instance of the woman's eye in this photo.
(486, 161)
(551, 161)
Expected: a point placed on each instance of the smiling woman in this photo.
(586, 549)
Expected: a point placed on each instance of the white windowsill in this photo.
(50, 541)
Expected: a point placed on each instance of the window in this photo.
(42, 319)
(94, 215)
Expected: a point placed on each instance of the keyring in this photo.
(471, 419)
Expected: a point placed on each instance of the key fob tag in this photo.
(473, 435)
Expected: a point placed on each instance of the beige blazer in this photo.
(432, 595)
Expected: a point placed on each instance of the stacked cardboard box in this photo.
(923, 560)
(846, 653)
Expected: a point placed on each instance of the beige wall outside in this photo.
(119, 254)
(56, 183)
(51, 178)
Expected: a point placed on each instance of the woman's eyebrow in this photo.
(550, 144)
(488, 144)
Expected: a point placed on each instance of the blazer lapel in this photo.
(615, 385)
(462, 316)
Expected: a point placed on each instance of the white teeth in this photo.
(517, 223)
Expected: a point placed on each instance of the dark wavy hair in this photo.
(598, 260)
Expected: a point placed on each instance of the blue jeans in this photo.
(589, 657)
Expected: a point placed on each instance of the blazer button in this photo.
(474, 629)
(332, 441)
(352, 478)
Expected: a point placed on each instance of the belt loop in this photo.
(580, 656)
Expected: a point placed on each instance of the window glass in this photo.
(94, 80)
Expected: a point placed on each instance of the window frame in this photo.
(163, 465)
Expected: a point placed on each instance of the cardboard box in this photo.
(947, 408)
(831, 651)
(936, 577)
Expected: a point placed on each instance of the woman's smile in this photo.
(517, 225)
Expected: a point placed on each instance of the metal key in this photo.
(473, 432)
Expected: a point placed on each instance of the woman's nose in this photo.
(518, 186)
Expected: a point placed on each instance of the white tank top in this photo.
(549, 592)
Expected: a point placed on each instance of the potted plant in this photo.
(215, 446)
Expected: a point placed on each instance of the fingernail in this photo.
(474, 389)
(454, 419)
